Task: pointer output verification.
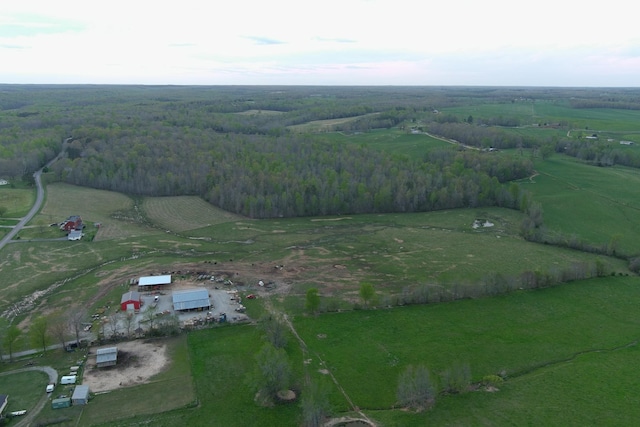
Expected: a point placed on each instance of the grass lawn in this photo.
(221, 361)
(557, 346)
(24, 389)
(17, 201)
(597, 204)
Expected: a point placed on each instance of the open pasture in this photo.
(326, 125)
(536, 339)
(596, 204)
(183, 213)
(114, 211)
(394, 141)
(16, 201)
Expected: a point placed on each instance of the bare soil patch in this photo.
(138, 361)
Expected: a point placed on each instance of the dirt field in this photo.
(138, 361)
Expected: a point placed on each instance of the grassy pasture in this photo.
(258, 112)
(596, 204)
(183, 213)
(18, 201)
(24, 389)
(534, 337)
(171, 389)
(112, 210)
(392, 140)
(324, 125)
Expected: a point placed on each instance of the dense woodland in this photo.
(232, 145)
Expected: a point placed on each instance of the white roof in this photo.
(155, 280)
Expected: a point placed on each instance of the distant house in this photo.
(80, 395)
(191, 299)
(130, 301)
(626, 142)
(4, 399)
(74, 222)
(74, 235)
(153, 282)
(107, 356)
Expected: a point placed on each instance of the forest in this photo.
(233, 146)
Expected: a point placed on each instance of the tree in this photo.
(275, 331)
(313, 300)
(315, 404)
(415, 388)
(113, 321)
(76, 316)
(39, 333)
(10, 337)
(150, 316)
(456, 379)
(273, 371)
(128, 323)
(60, 330)
(367, 293)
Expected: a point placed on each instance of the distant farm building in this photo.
(74, 222)
(4, 182)
(107, 356)
(130, 301)
(74, 235)
(626, 142)
(80, 395)
(153, 282)
(191, 299)
(62, 402)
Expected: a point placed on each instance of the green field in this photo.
(446, 294)
(596, 204)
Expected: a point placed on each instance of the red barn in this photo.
(74, 222)
(130, 301)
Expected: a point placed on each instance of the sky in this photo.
(328, 42)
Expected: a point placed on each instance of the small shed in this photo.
(63, 402)
(4, 399)
(130, 301)
(107, 356)
(153, 282)
(191, 299)
(80, 395)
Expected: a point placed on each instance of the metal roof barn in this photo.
(191, 299)
(106, 356)
(155, 280)
(80, 395)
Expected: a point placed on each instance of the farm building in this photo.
(153, 282)
(74, 235)
(74, 222)
(130, 301)
(80, 395)
(63, 402)
(107, 356)
(191, 299)
(4, 399)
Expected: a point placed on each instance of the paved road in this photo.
(32, 413)
(38, 203)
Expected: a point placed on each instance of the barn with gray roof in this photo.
(191, 299)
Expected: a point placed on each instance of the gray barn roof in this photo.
(190, 299)
(80, 392)
(130, 296)
(107, 354)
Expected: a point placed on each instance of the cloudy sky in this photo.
(328, 42)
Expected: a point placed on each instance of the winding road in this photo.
(37, 204)
(53, 379)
